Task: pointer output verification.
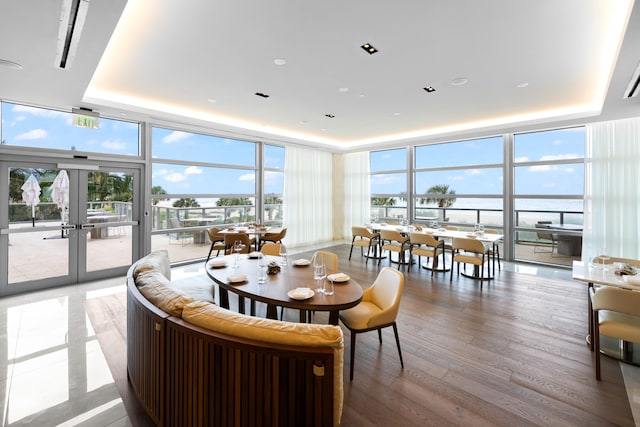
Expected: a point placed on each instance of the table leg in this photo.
(588, 338)
(334, 317)
(303, 316)
(272, 311)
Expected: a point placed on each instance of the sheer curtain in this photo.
(357, 191)
(307, 207)
(612, 189)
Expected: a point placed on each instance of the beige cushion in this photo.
(157, 289)
(218, 319)
(202, 290)
(155, 260)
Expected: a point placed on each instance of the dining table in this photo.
(443, 233)
(595, 274)
(257, 232)
(281, 289)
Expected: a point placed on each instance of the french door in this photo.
(66, 223)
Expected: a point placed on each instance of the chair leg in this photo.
(353, 353)
(380, 335)
(595, 338)
(351, 250)
(395, 332)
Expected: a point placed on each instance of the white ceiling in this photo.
(200, 63)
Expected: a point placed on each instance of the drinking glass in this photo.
(328, 285)
(237, 247)
(603, 258)
(262, 269)
(319, 273)
(283, 255)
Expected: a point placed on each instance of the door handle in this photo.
(87, 226)
(69, 227)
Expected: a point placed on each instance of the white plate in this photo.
(300, 295)
(217, 263)
(301, 262)
(632, 280)
(237, 278)
(338, 277)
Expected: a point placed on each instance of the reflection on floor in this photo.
(55, 372)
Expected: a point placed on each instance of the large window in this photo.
(460, 182)
(389, 185)
(198, 182)
(273, 184)
(24, 126)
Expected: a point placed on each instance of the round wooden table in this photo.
(275, 291)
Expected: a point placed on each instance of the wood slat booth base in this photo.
(186, 375)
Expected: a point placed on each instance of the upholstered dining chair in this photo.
(330, 259)
(377, 310)
(274, 236)
(271, 249)
(230, 238)
(217, 241)
(394, 241)
(364, 238)
(423, 244)
(616, 314)
(469, 251)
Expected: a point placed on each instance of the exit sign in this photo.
(85, 119)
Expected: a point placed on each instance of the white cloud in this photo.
(175, 137)
(475, 172)
(247, 177)
(116, 145)
(33, 134)
(551, 157)
(174, 177)
(193, 170)
(540, 168)
(521, 159)
(40, 112)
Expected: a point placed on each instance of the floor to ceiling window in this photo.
(273, 185)
(548, 187)
(389, 192)
(199, 181)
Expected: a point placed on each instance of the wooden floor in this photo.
(511, 354)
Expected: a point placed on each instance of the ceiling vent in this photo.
(633, 89)
(72, 17)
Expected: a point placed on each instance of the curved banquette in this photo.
(191, 362)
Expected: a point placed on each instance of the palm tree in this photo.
(156, 189)
(437, 193)
(383, 201)
(186, 203)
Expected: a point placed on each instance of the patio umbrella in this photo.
(60, 194)
(31, 195)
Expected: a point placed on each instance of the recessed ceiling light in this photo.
(429, 89)
(279, 61)
(369, 48)
(262, 95)
(211, 100)
(10, 64)
(521, 85)
(331, 116)
(343, 89)
(459, 81)
(396, 114)
(362, 95)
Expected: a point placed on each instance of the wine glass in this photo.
(603, 258)
(319, 273)
(262, 269)
(237, 247)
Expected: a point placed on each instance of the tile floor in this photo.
(55, 372)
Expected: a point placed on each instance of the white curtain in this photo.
(307, 205)
(357, 191)
(612, 189)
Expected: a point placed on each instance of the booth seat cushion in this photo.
(200, 290)
(219, 319)
(157, 289)
(156, 260)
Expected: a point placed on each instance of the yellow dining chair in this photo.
(364, 238)
(394, 241)
(468, 251)
(230, 238)
(217, 241)
(274, 236)
(424, 244)
(616, 314)
(330, 260)
(271, 249)
(377, 310)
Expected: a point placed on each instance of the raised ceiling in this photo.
(494, 65)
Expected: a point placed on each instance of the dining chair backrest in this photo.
(230, 238)
(469, 245)
(271, 249)
(360, 231)
(330, 259)
(385, 292)
(612, 259)
(392, 235)
(544, 235)
(424, 239)
(215, 235)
